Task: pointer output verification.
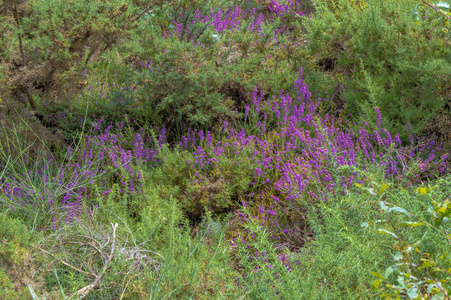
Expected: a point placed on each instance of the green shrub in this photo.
(52, 43)
(195, 264)
(17, 264)
(198, 86)
(337, 7)
(384, 60)
(421, 266)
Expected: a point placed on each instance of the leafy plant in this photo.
(442, 8)
(419, 273)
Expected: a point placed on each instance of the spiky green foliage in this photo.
(385, 60)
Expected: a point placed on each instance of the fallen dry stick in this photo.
(82, 293)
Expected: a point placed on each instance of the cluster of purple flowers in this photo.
(234, 18)
(87, 172)
(298, 160)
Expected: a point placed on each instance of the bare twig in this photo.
(67, 264)
(87, 289)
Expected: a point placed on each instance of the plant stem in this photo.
(18, 26)
(438, 10)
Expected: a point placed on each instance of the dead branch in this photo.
(87, 289)
(67, 264)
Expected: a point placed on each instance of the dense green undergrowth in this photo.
(219, 150)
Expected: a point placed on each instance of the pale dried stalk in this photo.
(87, 289)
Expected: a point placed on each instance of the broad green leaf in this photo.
(383, 231)
(383, 206)
(400, 210)
(412, 292)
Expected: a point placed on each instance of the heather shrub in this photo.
(266, 272)
(333, 262)
(385, 60)
(100, 170)
(200, 70)
(280, 174)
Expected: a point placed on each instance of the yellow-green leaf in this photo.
(376, 284)
(422, 190)
(378, 275)
(383, 188)
(411, 224)
(428, 263)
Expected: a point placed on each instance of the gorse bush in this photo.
(17, 259)
(386, 61)
(48, 44)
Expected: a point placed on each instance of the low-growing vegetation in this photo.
(292, 149)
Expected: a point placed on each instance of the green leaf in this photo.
(438, 296)
(371, 191)
(398, 256)
(411, 224)
(401, 282)
(422, 190)
(383, 188)
(400, 210)
(389, 270)
(415, 14)
(378, 275)
(442, 5)
(428, 263)
(383, 231)
(376, 284)
(412, 292)
(383, 206)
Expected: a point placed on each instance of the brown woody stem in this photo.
(18, 27)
